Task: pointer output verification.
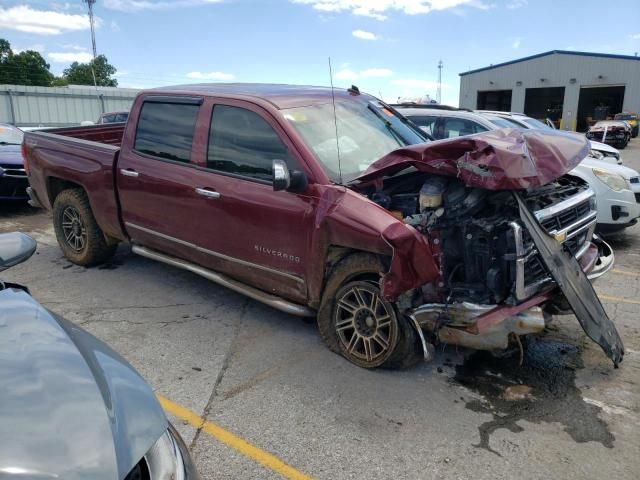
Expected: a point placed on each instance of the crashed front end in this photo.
(482, 209)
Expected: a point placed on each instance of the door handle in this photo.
(128, 172)
(207, 193)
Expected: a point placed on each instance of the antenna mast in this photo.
(439, 92)
(335, 120)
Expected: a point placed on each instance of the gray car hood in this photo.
(70, 407)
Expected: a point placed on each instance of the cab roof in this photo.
(279, 95)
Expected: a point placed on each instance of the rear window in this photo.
(165, 130)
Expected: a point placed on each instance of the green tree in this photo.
(24, 68)
(81, 74)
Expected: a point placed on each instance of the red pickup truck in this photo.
(331, 204)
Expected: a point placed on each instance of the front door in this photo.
(246, 229)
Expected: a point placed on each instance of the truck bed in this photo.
(84, 157)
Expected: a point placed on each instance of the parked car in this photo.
(632, 119)
(112, 117)
(615, 186)
(70, 407)
(599, 150)
(393, 244)
(611, 132)
(13, 179)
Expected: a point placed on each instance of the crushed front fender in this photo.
(575, 286)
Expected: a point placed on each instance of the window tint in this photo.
(165, 130)
(457, 127)
(502, 123)
(108, 118)
(122, 117)
(243, 143)
(427, 124)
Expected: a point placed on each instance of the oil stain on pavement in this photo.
(542, 389)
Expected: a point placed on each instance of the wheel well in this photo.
(337, 255)
(57, 185)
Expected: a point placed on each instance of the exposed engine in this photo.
(485, 255)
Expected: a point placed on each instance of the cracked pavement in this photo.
(267, 377)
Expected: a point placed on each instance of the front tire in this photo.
(355, 321)
(77, 231)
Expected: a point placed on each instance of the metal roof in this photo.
(552, 52)
(280, 95)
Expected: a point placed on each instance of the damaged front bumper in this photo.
(490, 327)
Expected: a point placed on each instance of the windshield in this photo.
(10, 135)
(366, 131)
(533, 123)
(501, 123)
(625, 116)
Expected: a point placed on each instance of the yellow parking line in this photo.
(622, 272)
(618, 299)
(242, 446)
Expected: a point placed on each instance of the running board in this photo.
(263, 297)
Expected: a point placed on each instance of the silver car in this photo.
(70, 407)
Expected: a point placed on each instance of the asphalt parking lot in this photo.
(256, 394)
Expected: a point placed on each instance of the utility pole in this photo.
(439, 92)
(90, 4)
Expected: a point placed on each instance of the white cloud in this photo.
(379, 8)
(514, 4)
(364, 35)
(217, 76)
(70, 57)
(347, 74)
(635, 36)
(41, 22)
(71, 46)
(136, 5)
(515, 43)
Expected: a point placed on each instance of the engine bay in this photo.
(475, 234)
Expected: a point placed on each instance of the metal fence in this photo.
(26, 106)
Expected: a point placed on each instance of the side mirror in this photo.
(15, 248)
(284, 179)
(281, 176)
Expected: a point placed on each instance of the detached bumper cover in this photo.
(576, 287)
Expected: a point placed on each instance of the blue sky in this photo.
(386, 47)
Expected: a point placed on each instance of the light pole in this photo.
(90, 4)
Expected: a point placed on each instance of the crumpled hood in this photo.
(504, 159)
(70, 407)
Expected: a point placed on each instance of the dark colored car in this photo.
(113, 117)
(392, 244)
(13, 179)
(70, 407)
(612, 132)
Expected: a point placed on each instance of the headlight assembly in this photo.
(612, 180)
(169, 458)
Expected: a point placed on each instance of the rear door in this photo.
(247, 230)
(157, 177)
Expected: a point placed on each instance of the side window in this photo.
(108, 119)
(243, 143)
(122, 117)
(426, 123)
(165, 130)
(457, 127)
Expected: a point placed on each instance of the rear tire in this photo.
(356, 322)
(78, 234)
